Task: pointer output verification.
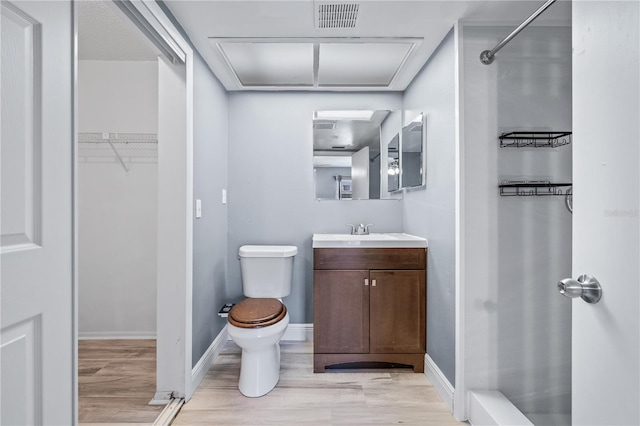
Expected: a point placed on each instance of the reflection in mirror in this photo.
(393, 160)
(413, 153)
(347, 160)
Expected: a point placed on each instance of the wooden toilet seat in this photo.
(256, 313)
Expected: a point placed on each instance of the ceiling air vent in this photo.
(324, 126)
(337, 15)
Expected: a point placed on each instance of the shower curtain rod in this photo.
(488, 56)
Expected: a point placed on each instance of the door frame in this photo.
(174, 296)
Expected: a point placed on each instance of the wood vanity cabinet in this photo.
(369, 306)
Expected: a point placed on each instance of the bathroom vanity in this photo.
(369, 299)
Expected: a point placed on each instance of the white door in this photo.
(37, 344)
(360, 174)
(606, 233)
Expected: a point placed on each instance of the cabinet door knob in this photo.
(373, 283)
(366, 281)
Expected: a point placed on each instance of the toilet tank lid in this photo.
(268, 251)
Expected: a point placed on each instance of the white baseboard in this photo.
(207, 359)
(108, 335)
(492, 408)
(299, 333)
(439, 381)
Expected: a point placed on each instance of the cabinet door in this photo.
(340, 311)
(397, 311)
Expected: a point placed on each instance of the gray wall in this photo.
(209, 232)
(210, 177)
(271, 198)
(430, 213)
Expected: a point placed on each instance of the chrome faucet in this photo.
(360, 229)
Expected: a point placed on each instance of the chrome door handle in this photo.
(586, 287)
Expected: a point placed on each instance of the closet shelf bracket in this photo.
(115, 151)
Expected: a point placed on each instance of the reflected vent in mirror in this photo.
(337, 15)
(324, 126)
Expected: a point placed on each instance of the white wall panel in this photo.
(117, 210)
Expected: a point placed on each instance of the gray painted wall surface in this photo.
(430, 213)
(210, 177)
(271, 198)
(210, 232)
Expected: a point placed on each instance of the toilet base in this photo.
(260, 363)
(259, 371)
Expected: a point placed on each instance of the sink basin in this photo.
(382, 240)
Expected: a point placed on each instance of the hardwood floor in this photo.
(116, 381)
(346, 397)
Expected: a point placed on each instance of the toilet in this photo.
(257, 323)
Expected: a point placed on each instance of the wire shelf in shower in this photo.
(512, 188)
(534, 139)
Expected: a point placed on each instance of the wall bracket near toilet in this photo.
(224, 311)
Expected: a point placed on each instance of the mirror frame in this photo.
(396, 139)
(384, 193)
(423, 154)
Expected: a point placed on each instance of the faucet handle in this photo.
(353, 228)
(366, 228)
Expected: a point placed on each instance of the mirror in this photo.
(413, 165)
(348, 161)
(393, 160)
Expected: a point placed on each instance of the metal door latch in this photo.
(586, 287)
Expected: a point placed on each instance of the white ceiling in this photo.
(429, 21)
(106, 34)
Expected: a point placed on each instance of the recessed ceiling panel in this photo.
(360, 64)
(270, 64)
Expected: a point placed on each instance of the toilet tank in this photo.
(267, 271)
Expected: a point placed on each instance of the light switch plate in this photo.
(224, 196)
(198, 209)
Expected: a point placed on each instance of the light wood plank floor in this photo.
(347, 397)
(116, 381)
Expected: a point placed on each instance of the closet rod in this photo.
(488, 56)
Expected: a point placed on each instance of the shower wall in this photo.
(518, 327)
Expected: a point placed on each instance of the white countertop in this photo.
(373, 240)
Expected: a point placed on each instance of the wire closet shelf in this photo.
(125, 148)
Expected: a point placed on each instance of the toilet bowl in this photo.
(260, 363)
(257, 324)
